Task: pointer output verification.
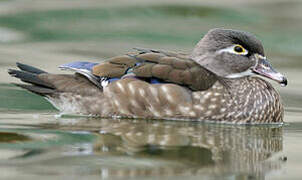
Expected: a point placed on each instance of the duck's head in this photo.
(234, 54)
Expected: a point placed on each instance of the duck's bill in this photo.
(265, 69)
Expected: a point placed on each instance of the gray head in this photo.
(234, 54)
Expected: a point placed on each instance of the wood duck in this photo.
(214, 83)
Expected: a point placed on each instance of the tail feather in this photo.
(28, 77)
(52, 86)
(37, 89)
(28, 68)
(45, 84)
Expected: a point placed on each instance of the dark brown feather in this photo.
(167, 66)
(114, 67)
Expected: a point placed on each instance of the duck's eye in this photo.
(235, 49)
(239, 49)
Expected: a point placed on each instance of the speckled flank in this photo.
(132, 97)
(253, 100)
(75, 94)
(78, 104)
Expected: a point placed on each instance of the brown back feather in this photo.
(167, 66)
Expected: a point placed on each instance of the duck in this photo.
(222, 80)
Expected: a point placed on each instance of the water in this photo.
(36, 143)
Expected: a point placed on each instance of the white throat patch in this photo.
(239, 75)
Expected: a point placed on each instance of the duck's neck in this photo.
(256, 98)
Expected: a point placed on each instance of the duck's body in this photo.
(157, 85)
(254, 102)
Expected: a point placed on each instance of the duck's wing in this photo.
(85, 69)
(158, 66)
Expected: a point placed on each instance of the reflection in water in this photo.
(11, 137)
(181, 148)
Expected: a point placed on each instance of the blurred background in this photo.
(49, 33)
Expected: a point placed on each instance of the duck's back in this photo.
(155, 66)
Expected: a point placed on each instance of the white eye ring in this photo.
(232, 50)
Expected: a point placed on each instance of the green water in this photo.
(36, 143)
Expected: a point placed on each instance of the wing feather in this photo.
(166, 66)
